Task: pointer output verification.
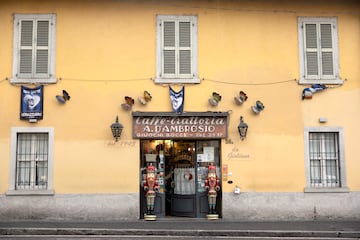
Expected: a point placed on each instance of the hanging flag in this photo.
(31, 103)
(177, 99)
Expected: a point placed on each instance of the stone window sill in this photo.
(327, 190)
(30, 193)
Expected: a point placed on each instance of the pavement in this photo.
(187, 227)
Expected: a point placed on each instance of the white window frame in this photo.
(12, 181)
(33, 78)
(342, 171)
(319, 79)
(177, 78)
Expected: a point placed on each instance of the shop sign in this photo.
(187, 125)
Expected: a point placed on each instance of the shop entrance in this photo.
(182, 167)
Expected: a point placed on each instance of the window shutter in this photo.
(42, 48)
(327, 50)
(311, 51)
(319, 51)
(169, 49)
(26, 47)
(177, 49)
(34, 49)
(185, 48)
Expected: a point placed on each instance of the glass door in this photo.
(183, 197)
(207, 154)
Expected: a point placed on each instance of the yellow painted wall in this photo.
(106, 50)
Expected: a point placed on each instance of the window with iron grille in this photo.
(325, 159)
(318, 50)
(176, 49)
(31, 165)
(32, 161)
(34, 48)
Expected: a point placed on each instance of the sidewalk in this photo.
(187, 227)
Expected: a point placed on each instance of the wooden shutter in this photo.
(26, 48)
(311, 51)
(42, 49)
(185, 49)
(177, 49)
(326, 50)
(34, 49)
(169, 49)
(319, 55)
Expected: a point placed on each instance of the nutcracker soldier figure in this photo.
(151, 185)
(212, 184)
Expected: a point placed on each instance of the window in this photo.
(177, 49)
(31, 161)
(325, 163)
(34, 48)
(318, 51)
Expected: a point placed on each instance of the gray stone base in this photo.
(75, 207)
(254, 206)
(246, 206)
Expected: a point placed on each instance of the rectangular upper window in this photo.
(34, 48)
(318, 50)
(176, 49)
(325, 163)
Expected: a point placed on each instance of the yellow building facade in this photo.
(297, 160)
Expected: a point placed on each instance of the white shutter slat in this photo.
(26, 47)
(169, 34)
(185, 55)
(184, 34)
(25, 61)
(311, 50)
(327, 63)
(26, 33)
(42, 61)
(326, 39)
(169, 48)
(169, 62)
(43, 33)
(42, 51)
(311, 36)
(185, 62)
(326, 50)
(312, 63)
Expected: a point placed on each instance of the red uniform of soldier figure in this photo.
(212, 184)
(151, 185)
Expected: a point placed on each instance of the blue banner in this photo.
(177, 99)
(31, 103)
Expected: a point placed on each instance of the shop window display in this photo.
(182, 169)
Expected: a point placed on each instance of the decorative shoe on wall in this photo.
(129, 102)
(145, 99)
(241, 98)
(258, 107)
(63, 98)
(215, 99)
